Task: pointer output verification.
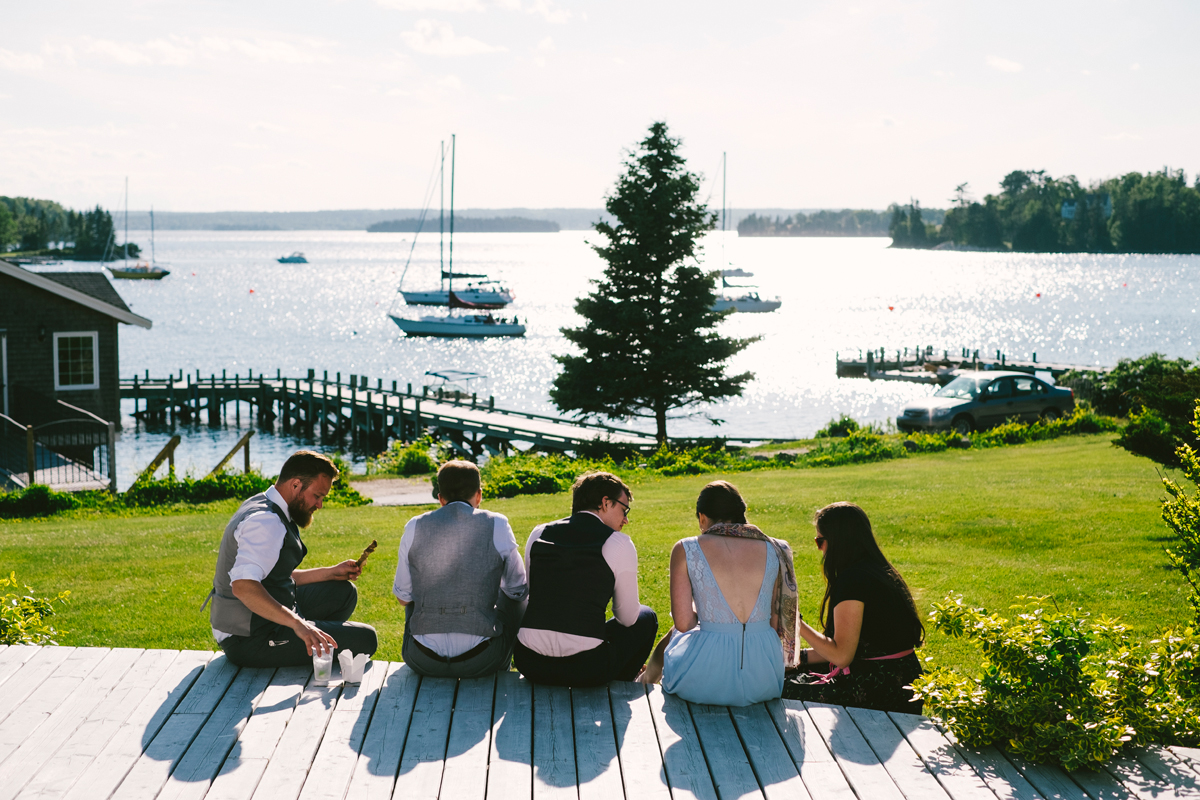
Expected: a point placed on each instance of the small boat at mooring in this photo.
(468, 326)
(295, 258)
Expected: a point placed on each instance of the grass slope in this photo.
(1075, 518)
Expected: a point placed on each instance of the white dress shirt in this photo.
(259, 538)
(512, 582)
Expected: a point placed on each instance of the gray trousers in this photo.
(327, 605)
(494, 658)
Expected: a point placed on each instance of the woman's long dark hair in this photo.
(849, 540)
(720, 501)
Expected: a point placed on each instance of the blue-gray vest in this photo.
(570, 583)
(230, 615)
(456, 572)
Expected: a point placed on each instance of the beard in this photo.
(301, 514)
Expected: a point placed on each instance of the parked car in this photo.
(975, 400)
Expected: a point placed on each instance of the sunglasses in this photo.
(818, 541)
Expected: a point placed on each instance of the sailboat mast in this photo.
(126, 221)
(450, 280)
(442, 217)
(724, 168)
(152, 258)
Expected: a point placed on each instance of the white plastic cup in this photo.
(322, 665)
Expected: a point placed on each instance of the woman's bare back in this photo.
(738, 565)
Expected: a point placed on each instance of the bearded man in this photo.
(266, 612)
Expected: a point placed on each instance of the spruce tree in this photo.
(649, 345)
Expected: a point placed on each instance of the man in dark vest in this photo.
(460, 578)
(266, 611)
(576, 566)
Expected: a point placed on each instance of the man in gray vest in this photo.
(266, 611)
(460, 578)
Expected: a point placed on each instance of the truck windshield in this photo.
(961, 388)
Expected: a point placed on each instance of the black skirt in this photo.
(881, 685)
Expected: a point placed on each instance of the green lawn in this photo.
(1075, 518)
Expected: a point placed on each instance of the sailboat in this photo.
(475, 325)
(141, 270)
(746, 302)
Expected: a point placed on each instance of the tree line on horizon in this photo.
(826, 222)
(28, 225)
(1157, 212)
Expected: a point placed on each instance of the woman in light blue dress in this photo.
(733, 600)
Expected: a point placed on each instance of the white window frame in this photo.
(95, 384)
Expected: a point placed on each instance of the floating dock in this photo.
(353, 407)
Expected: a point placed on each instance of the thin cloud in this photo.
(438, 39)
(20, 62)
(267, 51)
(547, 10)
(1003, 64)
(115, 51)
(448, 6)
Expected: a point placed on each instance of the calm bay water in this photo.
(228, 305)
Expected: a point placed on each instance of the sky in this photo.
(338, 104)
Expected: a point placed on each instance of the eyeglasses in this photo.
(818, 541)
(622, 505)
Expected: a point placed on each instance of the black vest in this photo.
(570, 583)
(278, 582)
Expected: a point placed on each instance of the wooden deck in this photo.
(98, 723)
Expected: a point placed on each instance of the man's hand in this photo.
(314, 638)
(345, 571)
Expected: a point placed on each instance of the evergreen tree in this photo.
(649, 344)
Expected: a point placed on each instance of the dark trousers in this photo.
(493, 658)
(619, 658)
(328, 606)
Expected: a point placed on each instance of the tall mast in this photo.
(442, 217)
(152, 258)
(724, 167)
(126, 221)
(450, 280)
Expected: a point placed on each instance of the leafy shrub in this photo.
(857, 447)
(342, 494)
(222, 486)
(533, 473)
(1062, 688)
(1148, 434)
(405, 459)
(36, 501)
(842, 426)
(1181, 512)
(1133, 380)
(23, 616)
(922, 442)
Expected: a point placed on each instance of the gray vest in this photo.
(230, 615)
(456, 572)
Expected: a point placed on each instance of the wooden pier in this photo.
(92, 723)
(339, 407)
(925, 365)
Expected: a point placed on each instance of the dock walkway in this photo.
(354, 407)
(96, 723)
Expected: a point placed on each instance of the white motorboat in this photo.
(748, 303)
(472, 326)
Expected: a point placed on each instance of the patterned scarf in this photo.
(788, 620)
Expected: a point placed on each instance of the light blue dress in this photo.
(722, 661)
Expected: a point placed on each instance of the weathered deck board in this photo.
(510, 758)
(379, 760)
(769, 757)
(343, 739)
(553, 744)
(465, 773)
(247, 761)
(862, 768)
(642, 768)
(687, 771)
(424, 758)
(94, 723)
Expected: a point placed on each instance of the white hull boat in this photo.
(474, 326)
(749, 303)
(481, 298)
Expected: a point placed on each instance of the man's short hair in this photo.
(307, 465)
(458, 480)
(592, 487)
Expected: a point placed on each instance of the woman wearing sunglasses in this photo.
(733, 600)
(866, 653)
